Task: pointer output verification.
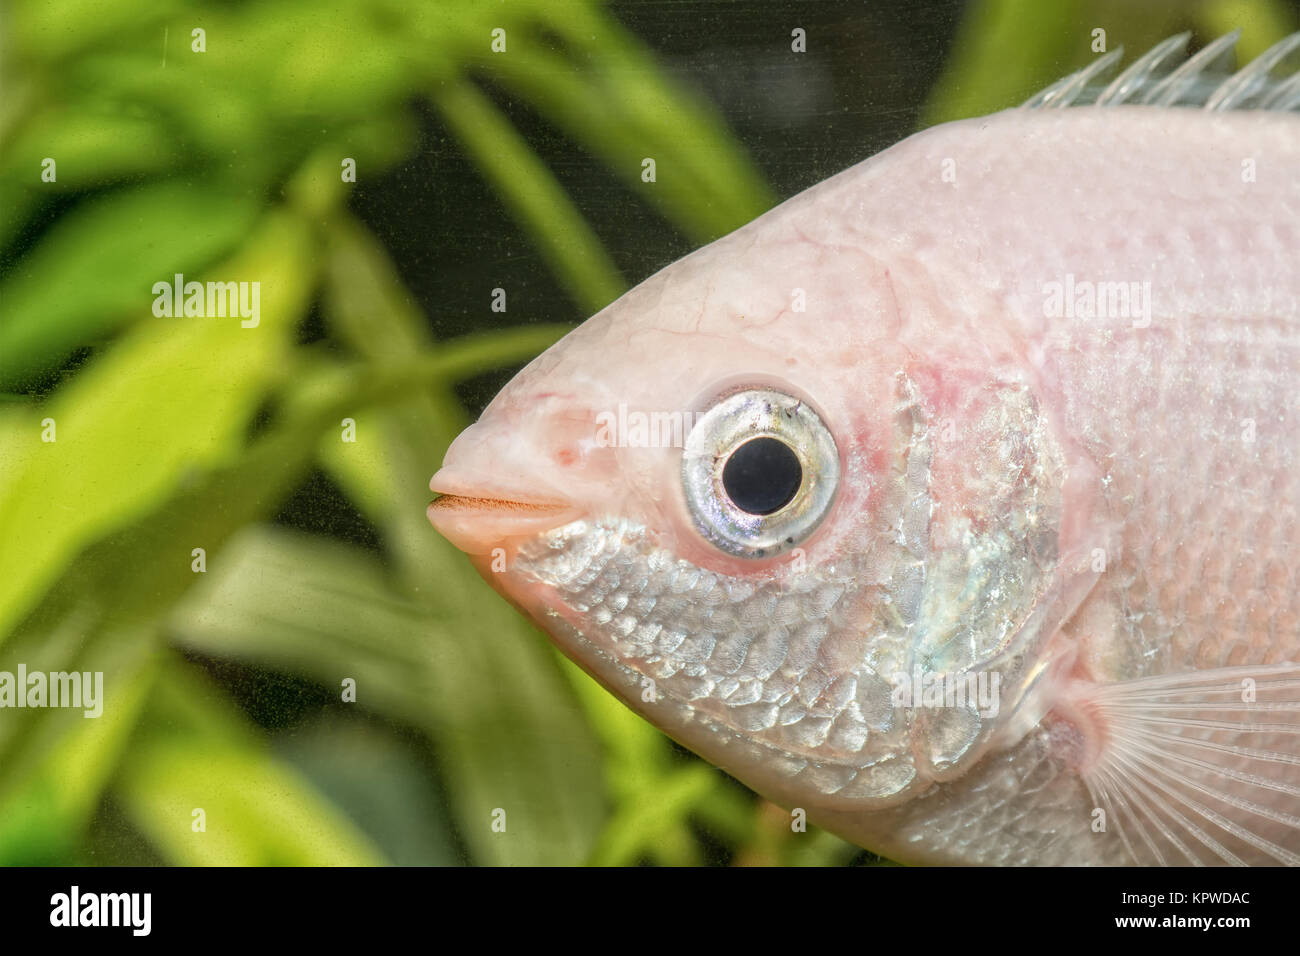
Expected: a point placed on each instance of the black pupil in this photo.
(762, 476)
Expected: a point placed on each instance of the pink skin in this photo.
(905, 271)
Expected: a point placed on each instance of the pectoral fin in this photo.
(1199, 768)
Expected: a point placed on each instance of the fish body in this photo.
(1036, 599)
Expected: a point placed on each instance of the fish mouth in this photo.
(480, 519)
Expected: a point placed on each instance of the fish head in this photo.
(742, 499)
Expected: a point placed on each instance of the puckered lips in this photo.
(477, 517)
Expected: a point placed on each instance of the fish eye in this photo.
(759, 471)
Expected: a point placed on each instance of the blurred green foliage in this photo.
(181, 434)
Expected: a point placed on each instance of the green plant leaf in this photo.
(57, 761)
(532, 194)
(507, 733)
(613, 98)
(119, 449)
(96, 267)
(194, 752)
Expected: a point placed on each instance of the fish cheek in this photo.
(996, 588)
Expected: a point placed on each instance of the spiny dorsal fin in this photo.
(1165, 76)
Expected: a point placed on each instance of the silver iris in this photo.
(736, 419)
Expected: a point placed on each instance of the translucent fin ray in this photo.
(1165, 77)
(1145, 72)
(1199, 768)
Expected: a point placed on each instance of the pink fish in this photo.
(956, 501)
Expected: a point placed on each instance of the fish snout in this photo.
(494, 487)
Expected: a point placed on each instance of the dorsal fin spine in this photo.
(1202, 81)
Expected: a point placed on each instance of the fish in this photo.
(954, 502)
